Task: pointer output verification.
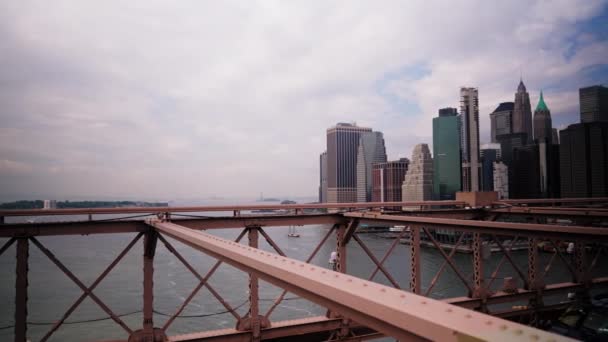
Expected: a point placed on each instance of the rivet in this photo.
(489, 322)
(467, 315)
(449, 310)
(503, 327)
(323, 272)
(402, 296)
(382, 290)
(364, 284)
(349, 280)
(535, 337)
(312, 268)
(519, 331)
(336, 276)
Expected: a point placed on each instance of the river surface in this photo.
(51, 292)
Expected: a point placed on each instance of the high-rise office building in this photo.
(323, 177)
(490, 153)
(469, 114)
(342, 147)
(418, 181)
(446, 152)
(371, 150)
(501, 179)
(522, 111)
(594, 103)
(387, 179)
(500, 120)
(583, 153)
(543, 130)
(524, 180)
(508, 142)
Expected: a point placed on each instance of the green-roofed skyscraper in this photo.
(446, 154)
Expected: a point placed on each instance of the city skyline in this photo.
(166, 105)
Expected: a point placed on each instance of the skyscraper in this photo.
(323, 177)
(501, 179)
(342, 147)
(554, 136)
(371, 150)
(490, 153)
(594, 103)
(446, 152)
(387, 180)
(584, 160)
(500, 120)
(522, 111)
(418, 182)
(469, 114)
(543, 130)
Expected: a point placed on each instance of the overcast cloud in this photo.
(178, 99)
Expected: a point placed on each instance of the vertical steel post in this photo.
(341, 249)
(1, 219)
(582, 273)
(479, 288)
(415, 280)
(150, 239)
(253, 235)
(535, 283)
(21, 284)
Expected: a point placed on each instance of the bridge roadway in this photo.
(359, 309)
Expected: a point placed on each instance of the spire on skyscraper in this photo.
(541, 103)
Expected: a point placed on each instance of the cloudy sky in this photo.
(189, 99)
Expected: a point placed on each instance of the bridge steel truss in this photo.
(359, 308)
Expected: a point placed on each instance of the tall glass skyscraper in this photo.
(446, 152)
(342, 147)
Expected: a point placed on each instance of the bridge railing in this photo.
(482, 291)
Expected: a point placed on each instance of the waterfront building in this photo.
(342, 147)
(543, 130)
(594, 103)
(501, 179)
(500, 120)
(418, 181)
(446, 152)
(323, 177)
(371, 150)
(584, 160)
(387, 179)
(469, 115)
(522, 111)
(489, 153)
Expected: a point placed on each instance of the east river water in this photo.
(51, 292)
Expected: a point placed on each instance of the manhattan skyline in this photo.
(143, 100)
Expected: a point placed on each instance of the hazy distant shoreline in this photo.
(39, 204)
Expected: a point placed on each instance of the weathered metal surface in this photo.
(504, 228)
(392, 312)
(553, 211)
(21, 283)
(553, 201)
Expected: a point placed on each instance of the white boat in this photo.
(396, 228)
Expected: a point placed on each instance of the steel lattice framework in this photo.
(358, 309)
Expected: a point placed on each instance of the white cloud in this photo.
(233, 98)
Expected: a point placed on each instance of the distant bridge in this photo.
(357, 309)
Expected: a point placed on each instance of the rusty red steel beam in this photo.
(389, 311)
(553, 200)
(133, 226)
(296, 328)
(551, 211)
(223, 208)
(490, 227)
(523, 294)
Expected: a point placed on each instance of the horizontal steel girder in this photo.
(227, 208)
(489, 227)
(133, 226)
(551, 211)
(392, 312)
